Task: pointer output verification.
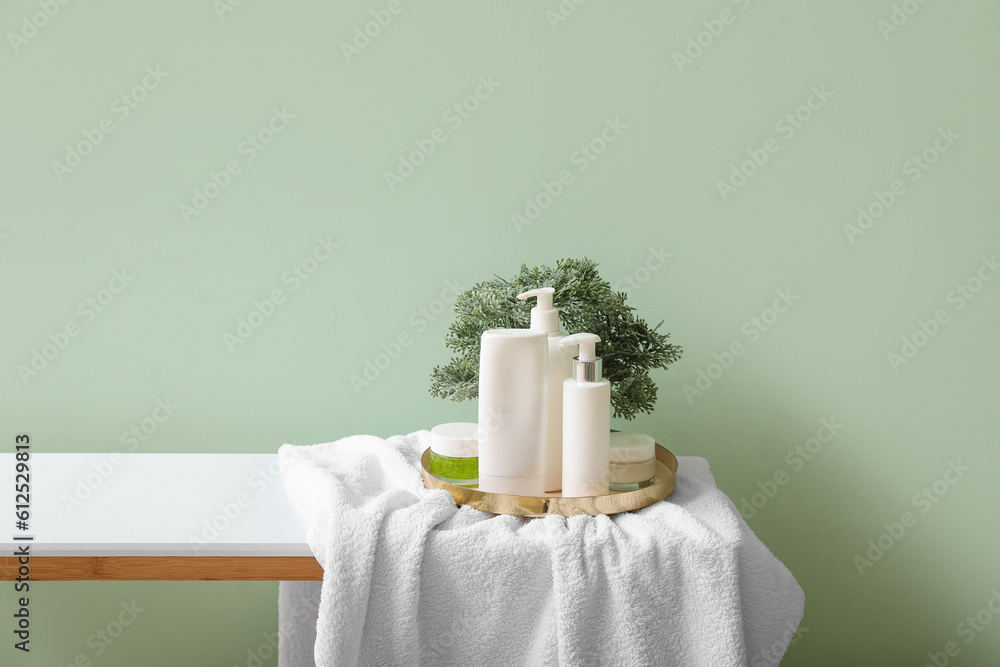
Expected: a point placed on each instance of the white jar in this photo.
(455, 453)
(633, 461)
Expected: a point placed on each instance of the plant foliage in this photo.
(629, 347)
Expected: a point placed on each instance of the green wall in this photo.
(884, 86)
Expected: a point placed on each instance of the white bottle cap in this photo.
(629, 447)
(458, 440)
(587, 366)
(543, 315)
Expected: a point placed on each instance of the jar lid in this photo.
(627, 447)
(456, 439)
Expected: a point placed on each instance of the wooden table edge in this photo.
(164, 568)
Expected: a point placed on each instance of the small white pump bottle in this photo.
(546, 318)
(586, 469)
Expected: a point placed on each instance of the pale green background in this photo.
(655, 186)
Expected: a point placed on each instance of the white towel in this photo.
(410, 578)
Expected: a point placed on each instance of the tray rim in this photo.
(615, 502)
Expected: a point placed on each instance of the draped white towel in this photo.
(409, 578)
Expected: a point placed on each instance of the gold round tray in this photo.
(553, 503)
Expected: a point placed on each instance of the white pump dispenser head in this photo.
(543, 315)
(587, 366)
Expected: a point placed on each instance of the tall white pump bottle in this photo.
(586, 466)
(513, 389)
(546, 318)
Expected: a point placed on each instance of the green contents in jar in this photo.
(460, 471)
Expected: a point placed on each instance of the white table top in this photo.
(162, 504)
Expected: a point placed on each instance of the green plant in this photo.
(630, 348)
